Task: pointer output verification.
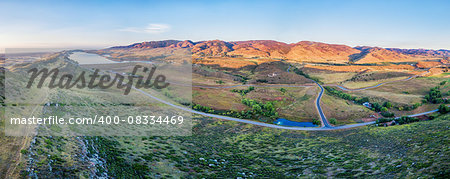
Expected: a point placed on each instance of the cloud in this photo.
(151, 29)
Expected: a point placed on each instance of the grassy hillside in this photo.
(228, 149)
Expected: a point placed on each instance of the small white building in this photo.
(367, 104)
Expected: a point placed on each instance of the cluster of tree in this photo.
(266, 109)
(406, 120)
(383, 108)
(332, 121)
(443, 109)
(299, 72)
(206, 109)
(199, 107)
(400, 121)
(375, 106)
(316, 122)
(219, 82)
(2, 100)
(261, 80)
(387, 114)
(383, 120)
(258, 110)
(242, 79)
(244, 91)
(408, 108)
(346, 96)
(435, 96)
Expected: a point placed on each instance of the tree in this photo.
(416, 105)
(406, 120)
(387, 114)
(443, 109)
(333, 121)
(383, 109)
(376, 106)
(283, 90)
(434, 96)
(316, 122)
(387, 104)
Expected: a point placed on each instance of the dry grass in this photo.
(389, 96)
(333, 77)
(360, 68)
(415, 86)
(303, 108)
(218, 99)
(362, 84)
(344, 111)
(230, 62)
(198, 79)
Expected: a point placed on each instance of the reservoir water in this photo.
(285, 122)
(84, 58)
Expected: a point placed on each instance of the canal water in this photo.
(285, 122)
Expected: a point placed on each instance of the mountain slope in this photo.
(302, 51)
(377, 55)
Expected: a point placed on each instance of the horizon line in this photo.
(94, 47)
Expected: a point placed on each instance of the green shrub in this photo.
(443, 109)
(333, 121)
(316, 122)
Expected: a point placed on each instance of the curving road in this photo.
(325, 125)
(324, 128)
(324, 120)
(249, 121)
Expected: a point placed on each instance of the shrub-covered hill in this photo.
(228, 149)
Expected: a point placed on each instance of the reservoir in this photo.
(88, 58)
(285, 122)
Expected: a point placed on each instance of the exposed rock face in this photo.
(301, 51)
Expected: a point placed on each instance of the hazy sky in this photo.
(395, 23)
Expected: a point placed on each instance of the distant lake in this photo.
(285, 122)
(84, 58)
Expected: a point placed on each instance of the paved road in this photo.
(261, 123)
(326, 125)
(324, 120)
(249, 121)
(234, 86)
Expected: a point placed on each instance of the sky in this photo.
(99, 24)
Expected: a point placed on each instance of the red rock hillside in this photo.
(301, 51)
